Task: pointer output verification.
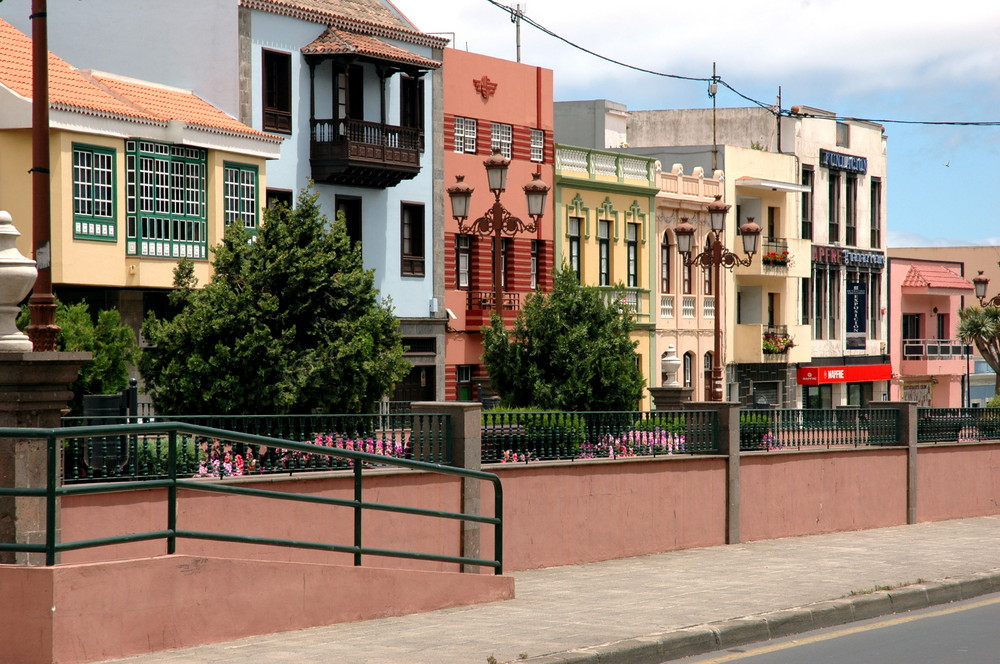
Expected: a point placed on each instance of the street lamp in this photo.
(717, 256)
(498, 221)
(981, 283)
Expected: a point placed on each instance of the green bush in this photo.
(675, 425)
(531, 434)
(753, 428)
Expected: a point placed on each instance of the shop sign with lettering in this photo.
(843, 162)
(852, 257)
(857, 315)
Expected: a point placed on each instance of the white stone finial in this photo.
(669, 366)
(17, 276)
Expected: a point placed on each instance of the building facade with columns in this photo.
(829, 202)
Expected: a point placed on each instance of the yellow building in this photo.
(141, 175)
(604, 230)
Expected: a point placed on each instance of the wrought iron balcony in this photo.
(364, 154)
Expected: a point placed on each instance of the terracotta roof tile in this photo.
(376, 16)
(172, 104)
(105, 94)
(934, 276)
(67, 86)
(335, 41)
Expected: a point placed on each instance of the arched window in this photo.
(709, 361)
(665, 263)
(687, 368)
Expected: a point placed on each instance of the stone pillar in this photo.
(33, 394)
(671, 395)
(670, 398)
(907, 438)
(729, 444)
(467, 452)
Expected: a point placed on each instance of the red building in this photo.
(492, 104)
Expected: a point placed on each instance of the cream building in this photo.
(816, 186)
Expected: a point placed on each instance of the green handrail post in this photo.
(172, 492)
(498, 528)
(51, 484)
(357, 511)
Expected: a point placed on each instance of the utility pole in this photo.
(713, 89)
(515, 18)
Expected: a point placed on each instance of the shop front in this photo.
(830, 386)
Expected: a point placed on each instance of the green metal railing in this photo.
(422, 437)
(516, 436)
(796, 429)
(952, 425)
(176, 437)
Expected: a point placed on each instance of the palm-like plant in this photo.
(981, 326)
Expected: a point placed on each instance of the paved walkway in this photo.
(630, 610)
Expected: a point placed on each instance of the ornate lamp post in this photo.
(498, 221)
(981, 283)
(716, 256)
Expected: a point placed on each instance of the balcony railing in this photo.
(935, 349)
(485, 300)
(636, 301)
(364, 154)
(590, 164)
(666, 306)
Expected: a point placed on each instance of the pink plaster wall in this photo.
(805, 493)
(100, 611)
(86, 517)
(957, 481)
(576, 512)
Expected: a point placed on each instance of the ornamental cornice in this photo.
(345, 22)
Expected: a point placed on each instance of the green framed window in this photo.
(94, 193)
(241, 195)
(165, 201)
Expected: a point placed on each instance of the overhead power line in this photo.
(521, 16)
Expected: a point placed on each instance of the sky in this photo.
(874, 59)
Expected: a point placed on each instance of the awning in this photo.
(932, 279)
(847, 373)
(771, 185)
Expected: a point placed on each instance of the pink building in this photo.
(930, 364)
(489, 104)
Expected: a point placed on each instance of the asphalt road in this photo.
(966, 632)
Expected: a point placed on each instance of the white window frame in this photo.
(465, 135)
(537, 145)
(502, 138)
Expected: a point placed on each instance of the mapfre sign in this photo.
(860, 373)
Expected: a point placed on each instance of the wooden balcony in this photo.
(363, 154)
(480, 306)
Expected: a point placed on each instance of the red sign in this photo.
(856, 373)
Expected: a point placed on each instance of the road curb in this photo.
(710, 637)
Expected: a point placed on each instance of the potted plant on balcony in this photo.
(776, 343)
(776, 258)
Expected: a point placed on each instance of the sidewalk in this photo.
(630, 610)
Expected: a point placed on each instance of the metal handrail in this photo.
(173, 483)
